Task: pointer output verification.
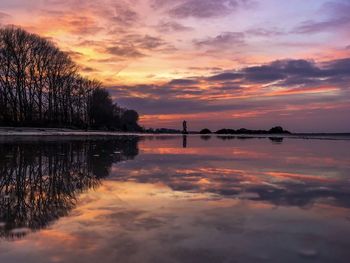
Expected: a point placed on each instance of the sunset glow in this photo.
(215, 63)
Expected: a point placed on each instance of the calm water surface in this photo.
(174, 199)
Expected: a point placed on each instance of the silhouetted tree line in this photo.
(206, 131)
(40, 181)
(274, 130)
(40, 86)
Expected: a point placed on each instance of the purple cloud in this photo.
(123, 14)
(224, 39)
(199, 8)
(183, 82)
(132, 45)
(225, 76)
(172, 26)
(185, 96)
(339, 18)
(315, 27)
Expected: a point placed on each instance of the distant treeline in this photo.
(274, 130)
(40, 86)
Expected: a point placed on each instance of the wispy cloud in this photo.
(172, 26)
(199, 8)
(223, 39)
(128, 51)
(338, 18)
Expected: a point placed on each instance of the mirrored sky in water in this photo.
(166, 199)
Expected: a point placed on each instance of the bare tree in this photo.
(40, 86)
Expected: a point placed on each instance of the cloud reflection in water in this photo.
(213, 201)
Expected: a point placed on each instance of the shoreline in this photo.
(63, 132)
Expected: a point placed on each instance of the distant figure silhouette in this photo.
(184, 127)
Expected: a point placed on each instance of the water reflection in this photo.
(276, 140)
(40, 181)
(225, 199)
(293, 173)
(184, 141)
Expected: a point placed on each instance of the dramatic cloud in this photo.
(292, 71)
(225, 76)
(206, 60)
(249, 92)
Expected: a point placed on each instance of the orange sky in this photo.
(168, 59)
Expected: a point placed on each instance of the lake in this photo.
(174, 199)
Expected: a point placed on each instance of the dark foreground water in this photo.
(174, 199)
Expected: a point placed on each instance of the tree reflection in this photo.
(40, 181)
